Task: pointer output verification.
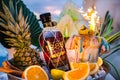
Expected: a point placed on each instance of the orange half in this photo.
(80, 71)
(35, 72)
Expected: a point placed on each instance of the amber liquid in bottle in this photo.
(53, 47)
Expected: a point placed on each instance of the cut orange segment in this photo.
(100, 61)
(93, 68)
(80, 71)
(35, 72)
(74, 65)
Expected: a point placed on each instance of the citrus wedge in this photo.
(80, 71)
(93, 68)
(35, 72)
(100, 61)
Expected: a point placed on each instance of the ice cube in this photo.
(101, 73)
(96, 75)
(3, 76)
(89, 78)
(101, 68)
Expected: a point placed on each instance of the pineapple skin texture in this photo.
(26, 57)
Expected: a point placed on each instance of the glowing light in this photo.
(92, 22)
(92, 17)
(50, 48)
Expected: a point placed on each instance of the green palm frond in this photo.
(113, 37)
(109, 29)
(105, 31)
(117, 73)
(106, 27)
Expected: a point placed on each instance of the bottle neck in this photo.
(48, 24)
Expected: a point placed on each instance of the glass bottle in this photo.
(52, 42)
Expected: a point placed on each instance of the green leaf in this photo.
(113, 50)
(113, 37)
(4, 25)
(7, 12)
(20, 14)
(106, 15)
(3, 21)
(116, 46)
(17, 9)
(3, 16)
(117, 73)
(106, 27)
(11, 7)
(109, 28)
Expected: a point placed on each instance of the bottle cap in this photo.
(45, 17)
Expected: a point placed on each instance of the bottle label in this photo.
(57, 54)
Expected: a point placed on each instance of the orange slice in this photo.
(35, 72)
(100, 61)
(93, 68)
(74, 65)
(80, 71)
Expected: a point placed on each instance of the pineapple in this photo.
(17, 30)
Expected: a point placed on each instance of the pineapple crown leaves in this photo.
(11, 13)
(7, 12)
(17, 30)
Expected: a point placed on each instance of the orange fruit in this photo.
(93, 68)
(100, 61)
(74, 65)
(35, 72)
(80, 71)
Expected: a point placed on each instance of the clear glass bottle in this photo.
(52, 42)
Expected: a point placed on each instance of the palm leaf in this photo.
(109, 28)
(118, 75)
(11, 8)
(106, 15)
(114, 37)
(106, 27)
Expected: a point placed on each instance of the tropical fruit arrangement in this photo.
(22, 30)
(84, 71)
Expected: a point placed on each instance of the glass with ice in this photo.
(89, 48)
(86, 47)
